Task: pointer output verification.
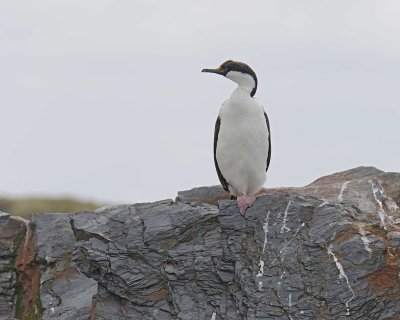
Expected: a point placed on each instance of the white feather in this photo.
(242, 145)
(244, 81)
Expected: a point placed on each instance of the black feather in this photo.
(220, 176)
(269, 141)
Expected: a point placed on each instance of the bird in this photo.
(242, 139)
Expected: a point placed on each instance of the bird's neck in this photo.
(242, 93)
(246, 83)
(243, 90)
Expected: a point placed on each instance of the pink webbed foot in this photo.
(245, 202)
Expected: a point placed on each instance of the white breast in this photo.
(242, 146)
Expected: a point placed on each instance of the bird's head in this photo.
(238, 72)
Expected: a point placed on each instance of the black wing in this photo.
(220, 176)
(269, 141)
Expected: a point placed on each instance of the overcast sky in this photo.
(104, 100)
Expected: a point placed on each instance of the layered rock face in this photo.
(12, 233)
(329, 250)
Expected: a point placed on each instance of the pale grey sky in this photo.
(105, 100)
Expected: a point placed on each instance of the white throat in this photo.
(245, 81)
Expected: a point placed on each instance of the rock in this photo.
(210, 195)
(394, 238)
(329, 250)
(374, 192)
(65, 293)
(12, 232)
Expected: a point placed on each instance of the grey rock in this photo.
(394, 238)
(65, 293)
(4, 216)
(329, 250)
(376, 194)
(12, 232)
(317, 252)
(210, 195)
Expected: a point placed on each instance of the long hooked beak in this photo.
(217, 71)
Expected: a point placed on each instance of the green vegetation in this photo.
(25, 206)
